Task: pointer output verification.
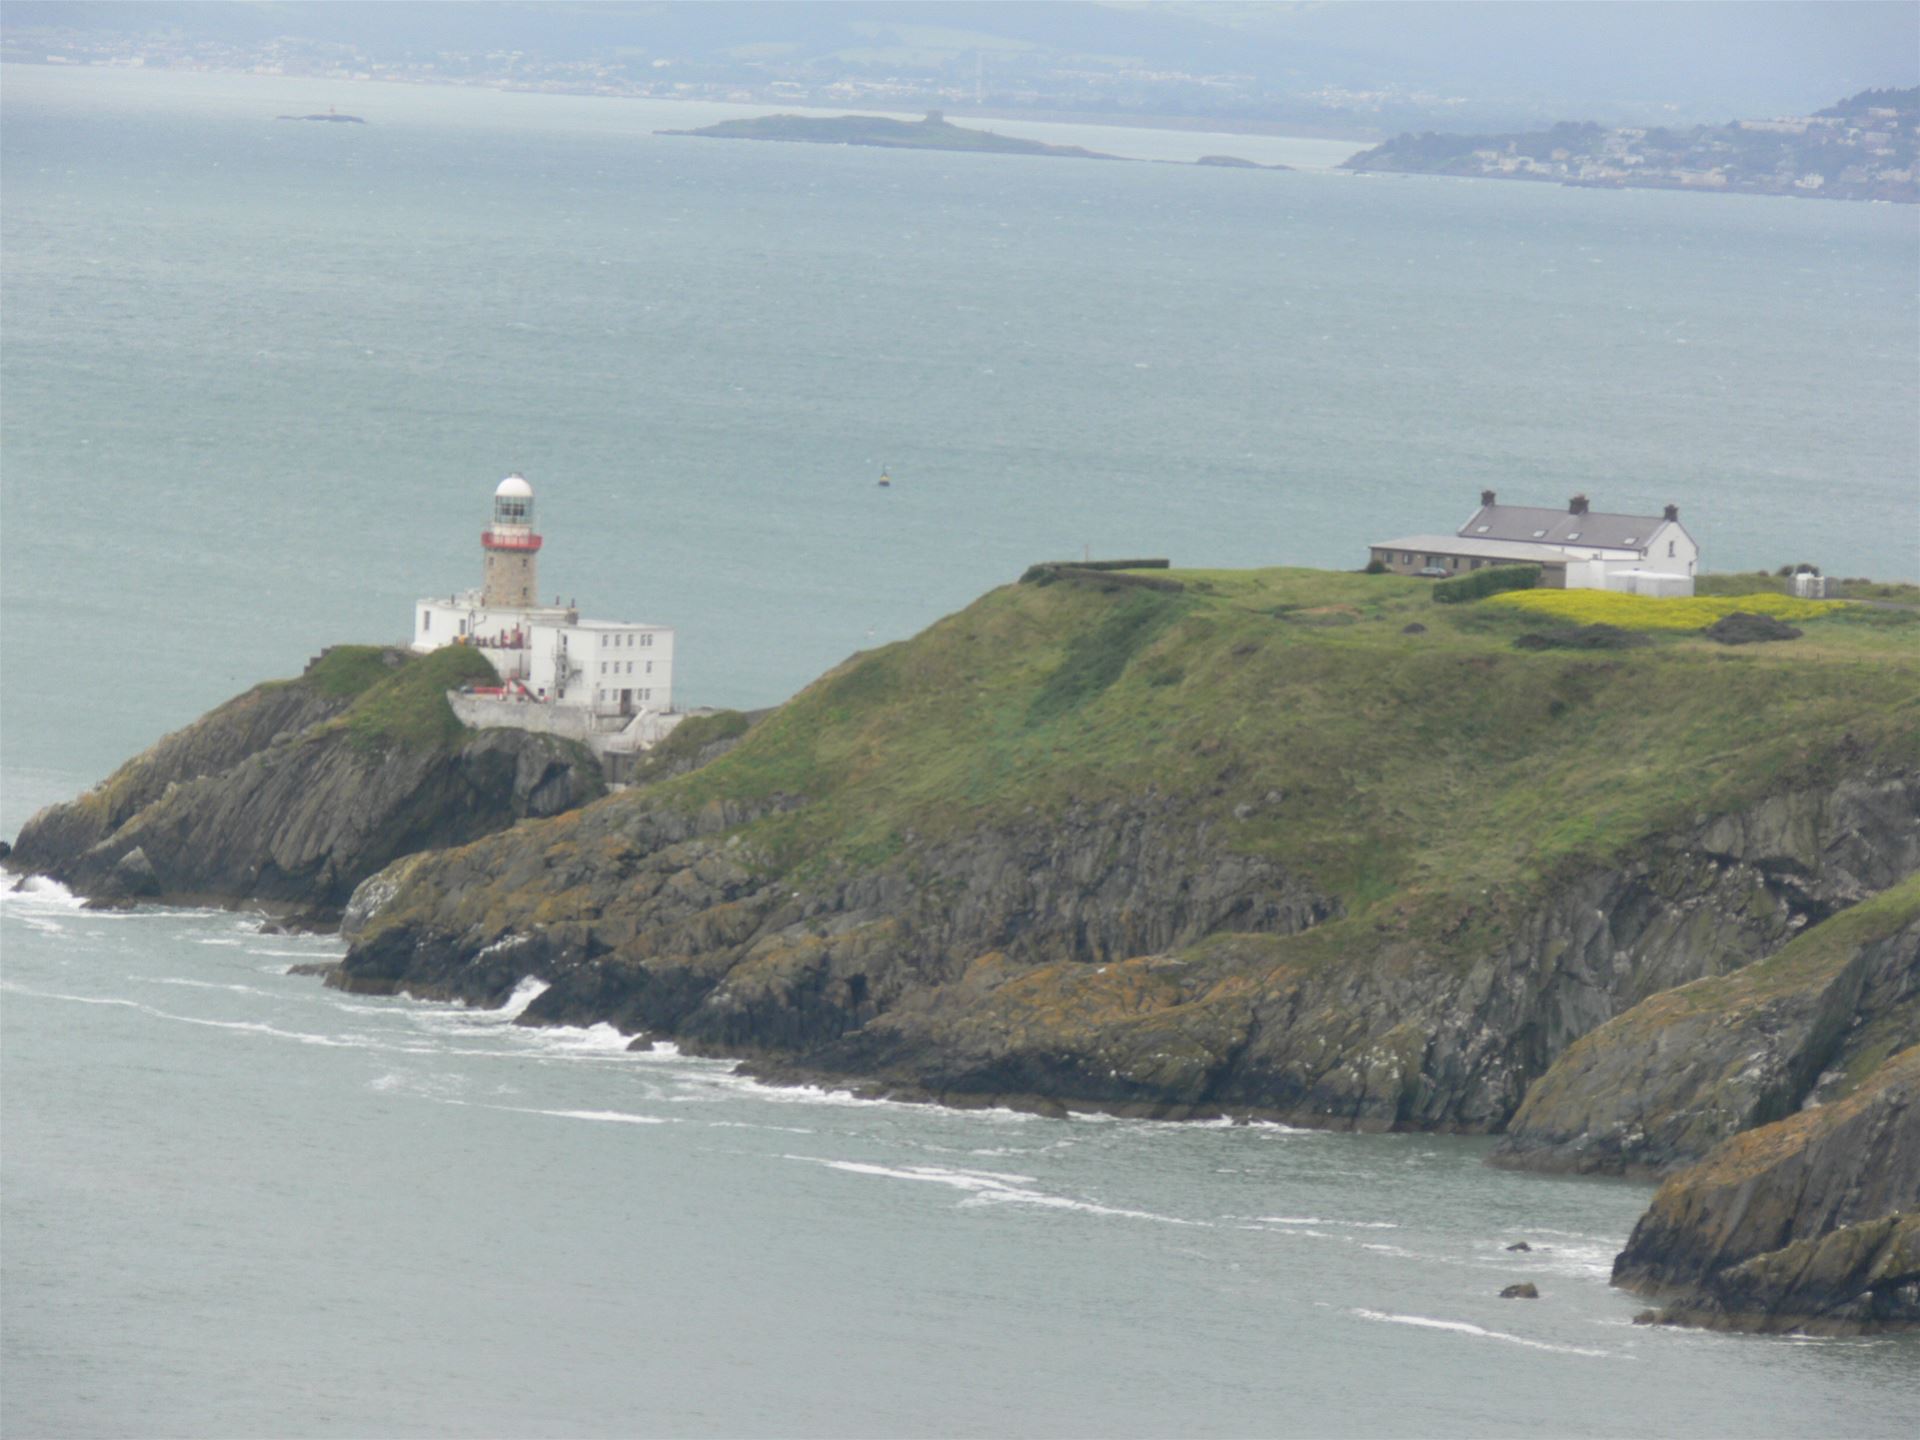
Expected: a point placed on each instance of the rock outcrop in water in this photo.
(290, 795)
(1811, 1223)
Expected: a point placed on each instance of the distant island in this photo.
(333, 116)
(932, 133)
(1235, 162)
(1865, 148)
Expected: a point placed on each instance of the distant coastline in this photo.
(329, 117)
(1867, 147)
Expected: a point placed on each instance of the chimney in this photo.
(1486, 497)
(1673, 512)
(1577, 505)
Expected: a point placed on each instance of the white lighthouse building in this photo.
(604, 681)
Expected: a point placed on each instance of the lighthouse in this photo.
(512, 548)
(607, 682)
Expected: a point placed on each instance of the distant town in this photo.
(989, 80)
(1864, 148)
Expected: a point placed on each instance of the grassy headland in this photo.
(1294, 707)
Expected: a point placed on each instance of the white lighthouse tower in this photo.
(512, 548)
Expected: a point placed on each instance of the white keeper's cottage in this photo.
(606, 681)
(1578, 548)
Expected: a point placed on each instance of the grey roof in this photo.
(1537, 525)
(1474, 548)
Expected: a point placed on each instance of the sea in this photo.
(257, 380)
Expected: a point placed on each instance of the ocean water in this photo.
(241, 1204)
(258, 380)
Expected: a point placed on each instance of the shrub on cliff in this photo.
(1482, 583)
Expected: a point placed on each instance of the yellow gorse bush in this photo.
(1646, 612)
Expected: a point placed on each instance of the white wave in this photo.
(254, 1027)
(40, 890)
(826, 1095)
(988, 1187)
(572, 1041)
(317, 953)
(618, 1117)
(524, 994)
(1229, 1122)
(1579, 1259)
(212, 940)
(201, 984)
(793, 1094)
(1462, 1327)
(1317, 1220)
(749, 1125)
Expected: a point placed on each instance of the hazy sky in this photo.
(1607, 61)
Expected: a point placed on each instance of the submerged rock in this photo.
(1525, 1290)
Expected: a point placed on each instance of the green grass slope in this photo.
(1294, 707)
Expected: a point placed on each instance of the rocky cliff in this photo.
(1246, 845)
(291, 794)
(1811, 1223)
(1663, 1084)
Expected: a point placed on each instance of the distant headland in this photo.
(333, 116)
(935, 132)
(1867, 147)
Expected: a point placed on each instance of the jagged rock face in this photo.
(1808, 1223)
(656, 921)
(262, 802)
(244, 726)
(1059, 959)
(1663, 1084)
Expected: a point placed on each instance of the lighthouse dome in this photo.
(514, 487)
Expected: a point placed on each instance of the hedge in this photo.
(1048, 571)
(1482, 583)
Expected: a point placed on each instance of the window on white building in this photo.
(426, 620)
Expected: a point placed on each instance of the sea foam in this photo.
(1480, 1332)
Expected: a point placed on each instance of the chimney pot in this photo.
(1486, 497)
(1577, 505)
(1673, 512)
